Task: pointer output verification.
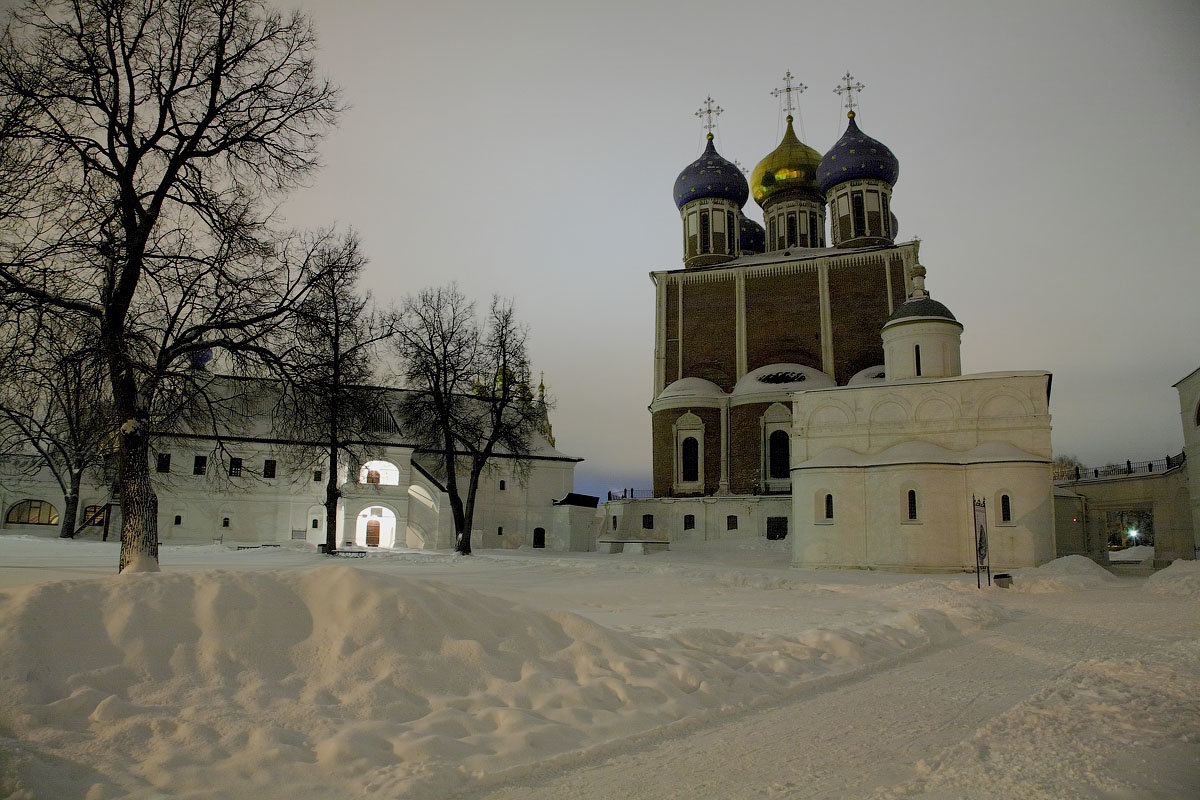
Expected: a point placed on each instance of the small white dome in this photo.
(691, 387)
(777, 378)
(868, 376)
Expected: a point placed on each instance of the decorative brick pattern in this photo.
(709, 319)
(783, 320)
(663, 436)
(859, 307)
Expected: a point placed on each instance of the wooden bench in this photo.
(636, 546)
(350, 553)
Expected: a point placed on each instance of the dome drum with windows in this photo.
(709, 194)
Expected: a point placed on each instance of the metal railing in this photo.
(630, 494)
(1084, 473)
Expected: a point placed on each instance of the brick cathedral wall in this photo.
(672, 338)
(783, 320)
(859, 307)
(745, 444)
(709, 320)
(663, 448)
(896, 265)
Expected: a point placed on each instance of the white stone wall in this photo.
(1189, 417)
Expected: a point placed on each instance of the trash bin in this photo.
(1002, 579)
(321, 548)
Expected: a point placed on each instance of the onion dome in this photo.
(711, 176)
(753, 238)
(790, 167)
(857, 156)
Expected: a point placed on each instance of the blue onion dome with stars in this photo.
(711, 176)
(857, 156)
(752, 238)
(790, 168)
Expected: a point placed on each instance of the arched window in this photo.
(1005, 509)
(225, 522)
(690, 452)
(828, 506)
(777, 445)
(32, 512)
(859, 212)
(705, 246)
(912, 504)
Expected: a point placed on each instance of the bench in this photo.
(349, 553)
(253, 546)
(635, 546)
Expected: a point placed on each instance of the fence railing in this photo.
(630, 494)
(1114, 470)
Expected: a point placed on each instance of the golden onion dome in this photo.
(790, 167)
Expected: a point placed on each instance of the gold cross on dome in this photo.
(787, 90)
(709, 110)
(849, 87)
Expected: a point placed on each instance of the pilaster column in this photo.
(660, 335)
(739, 290)
(723, 485)
(826, 321)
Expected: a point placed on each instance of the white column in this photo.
(723, 484)
(679, 330)
(660, 334)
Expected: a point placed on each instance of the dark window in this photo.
(539, 537)
(690, 469)
(178, 520)
(316, 524)
(225, 522)
(499, 530)
(859, 213)
(731, 522)
(731, 232)
(648, 522)
(32, 512)
(200, 465)
(705, 231)
(771, 243)
(318, 476)
(777, 448)
(814, 240)
(235, 467)
(1005, 509)
(791, 229)
(614, 523)
(777, 527)
(887, 216)
(689, 521)
(94, 515)
(502, 486)
(917, 358)
(269, 468)
(912, 504)
(828, 506)
(164, 463)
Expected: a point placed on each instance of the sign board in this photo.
(982, 560)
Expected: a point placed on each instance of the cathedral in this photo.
(807, 386)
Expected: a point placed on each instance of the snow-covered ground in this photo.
(712, 670)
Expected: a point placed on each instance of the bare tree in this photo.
(328, 406)
(52, 401)
(470, 397)
(161, 132)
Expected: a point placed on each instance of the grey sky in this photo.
(1048, 161)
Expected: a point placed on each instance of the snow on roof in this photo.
(691, 387)
(776, 378)
(919, 452)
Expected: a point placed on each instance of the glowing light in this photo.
(1132, 533)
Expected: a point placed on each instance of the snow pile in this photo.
(1181, 579)
(1066, 574)
(1136, 555)
(341, 682)
(1104, 721)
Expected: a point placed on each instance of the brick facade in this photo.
(858, 305)
(663, 439)
(783, 320)
(709, 332)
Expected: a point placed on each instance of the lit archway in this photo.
(375, 526)
(380, 473)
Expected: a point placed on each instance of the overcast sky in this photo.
(1049, 162)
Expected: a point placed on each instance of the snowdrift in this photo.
(1069, 573)
(1181, 579)
(340, 682)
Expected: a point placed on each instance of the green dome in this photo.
(790, 167)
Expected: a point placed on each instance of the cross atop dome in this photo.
(849, 87)
(709, 110)
(786, 91)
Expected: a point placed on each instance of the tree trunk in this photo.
(70, 507)
(331, 503)
(139, 504)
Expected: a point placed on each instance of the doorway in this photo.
(539, 537)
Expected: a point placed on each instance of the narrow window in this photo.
(502, 486)
(791, 229)
(859, 213)
(690, 468)
(705, 232)
(917, 358)
(1005, 509)
(731, 522)
(499, 530)
(813, 239)
(777, 446)
(225, 522)
(235, 467)
(200, 465)
(316, 523)
(774, 234)
(887, 216)
(164, 462)
(178, 520)
(731, 231)
(689, 521)
(828, 506)
(614, 523)
(317, 476)
(647, 522)
(269, 468)
(912, 504)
